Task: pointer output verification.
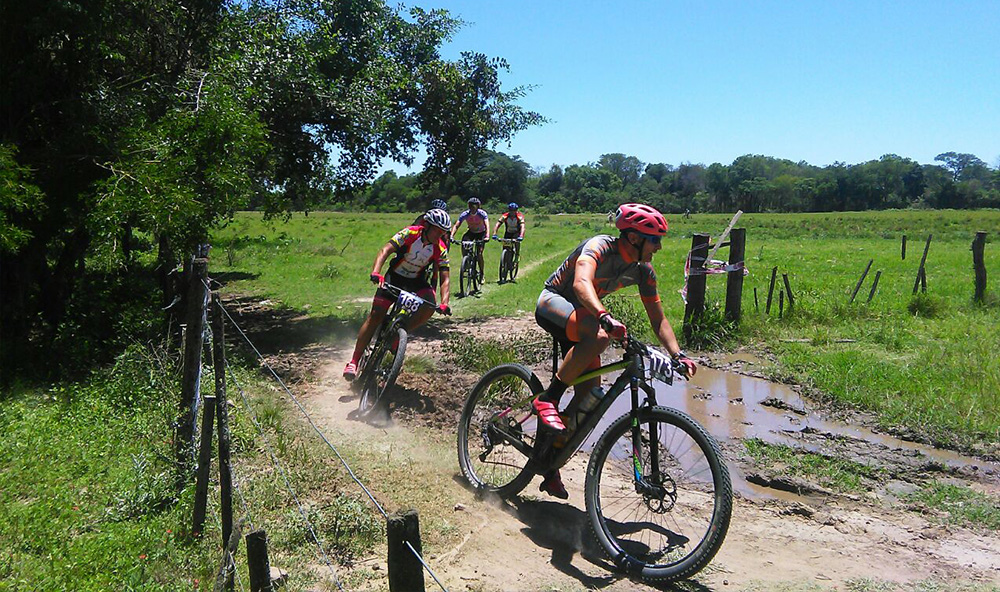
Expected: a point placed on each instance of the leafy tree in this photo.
(628, 169)
(159, 119)
(958, 163)
(550, 182)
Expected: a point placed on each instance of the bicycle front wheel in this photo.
(382, 369)
(507, 265)
(497, 430)
(661, 514)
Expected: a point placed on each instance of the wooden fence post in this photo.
(770, 290)
(861, 279)
(696, 284)
(191, 377)
(222, 419)
(259, 565)
(405, 571)
(871, 294)
(204, 464)
(225, 576)
(902, 248)
(788, 290)
(978, 247)
(734, 279)
(921, 274)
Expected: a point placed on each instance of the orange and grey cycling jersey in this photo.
(513, 223)
(614, 270)
(414, 253)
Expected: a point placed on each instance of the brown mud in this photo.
(789, 534)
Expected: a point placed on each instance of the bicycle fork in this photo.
(649, 483)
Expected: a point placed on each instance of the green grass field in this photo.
(924, 364)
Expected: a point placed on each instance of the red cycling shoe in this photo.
(548, 414)
(553, 485)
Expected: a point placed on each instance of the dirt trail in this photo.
(821, 541)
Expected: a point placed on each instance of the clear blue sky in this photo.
(707, 82)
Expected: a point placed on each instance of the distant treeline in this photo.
(752, 183)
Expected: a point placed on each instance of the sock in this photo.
(555, 391)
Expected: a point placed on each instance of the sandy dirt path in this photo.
(534, 542)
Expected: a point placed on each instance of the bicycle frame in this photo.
(633, 378)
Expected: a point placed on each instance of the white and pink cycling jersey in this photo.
(477, 222)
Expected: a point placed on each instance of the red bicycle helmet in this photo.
(641, 218)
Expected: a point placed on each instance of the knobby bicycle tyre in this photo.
(507, 265)
(381, 370)
(659, 537)
(515, 265)
(499, 402)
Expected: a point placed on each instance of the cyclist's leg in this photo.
(590, 342)
(380, 306)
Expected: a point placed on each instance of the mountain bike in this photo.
(657, 490)
(509, 259)
(383, 358)
(468, 275)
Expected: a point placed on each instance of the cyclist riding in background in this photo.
(478, 223)
(415, 247)
(570, 308)
(513, 222)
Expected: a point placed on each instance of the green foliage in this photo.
(479, 355)
(924, 305)
(19, 198)
(959, 504)
(86, 494)
(832, 472)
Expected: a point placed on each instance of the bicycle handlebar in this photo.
(398, 293)
(633, 346)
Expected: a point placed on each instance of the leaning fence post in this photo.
(222, 419)
(756, 304)
(191, 378)
(788, 290)
(921, 274)
(734, 279)
(770, 290)
(871, 294)
(861, 279)
(204, 464)
(978, 247)
(405, 571)
(258, 564)
(781, 303)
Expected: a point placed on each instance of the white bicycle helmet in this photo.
(439, 218)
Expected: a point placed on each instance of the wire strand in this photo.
(284, 475)
(323, 436)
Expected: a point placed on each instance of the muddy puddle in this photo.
(736, 407)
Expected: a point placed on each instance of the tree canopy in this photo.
(149, 122)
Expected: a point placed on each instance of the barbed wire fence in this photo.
(405, 563)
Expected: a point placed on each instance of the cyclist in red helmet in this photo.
(570, 308)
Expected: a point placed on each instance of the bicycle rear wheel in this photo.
(673, 527)
(497, 430)
(381, 370)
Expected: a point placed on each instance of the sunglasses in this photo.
(653, 238)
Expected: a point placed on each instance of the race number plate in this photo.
(409, 302)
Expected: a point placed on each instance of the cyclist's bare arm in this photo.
(661, 326)
(583, 285)
(383, 254)
(445, 286)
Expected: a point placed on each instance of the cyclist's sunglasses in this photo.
(653, 238)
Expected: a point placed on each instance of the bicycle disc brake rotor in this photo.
(660, 493)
